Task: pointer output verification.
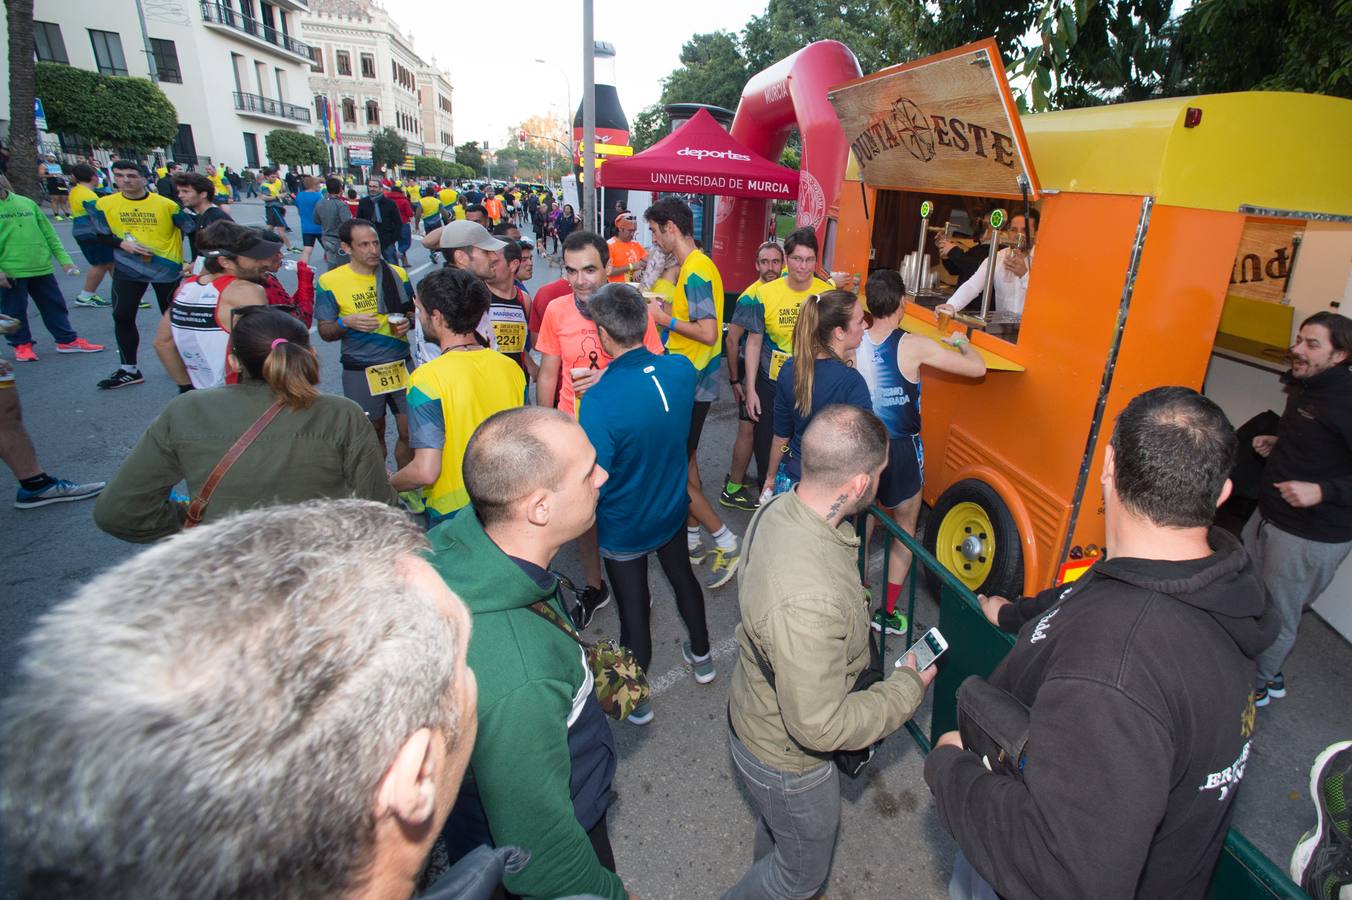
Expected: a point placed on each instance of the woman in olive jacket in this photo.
(319, 446)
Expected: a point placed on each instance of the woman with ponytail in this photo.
(829, 328)
(314, 446)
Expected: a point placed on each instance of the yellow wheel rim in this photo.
(966, 543)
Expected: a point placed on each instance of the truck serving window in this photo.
(949, 268)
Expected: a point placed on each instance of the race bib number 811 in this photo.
(387, 378)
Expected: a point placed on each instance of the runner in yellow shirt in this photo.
(693, 326)
(769, 316)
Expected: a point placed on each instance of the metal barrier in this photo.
(975, 647)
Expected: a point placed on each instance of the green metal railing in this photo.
(975, 647)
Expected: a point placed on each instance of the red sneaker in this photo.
(79, 345)
(24, 353)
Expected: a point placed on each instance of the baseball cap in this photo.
(464, 233)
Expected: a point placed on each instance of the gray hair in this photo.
(840, 442)
(212, 717)
(506, 459)
(620, 310)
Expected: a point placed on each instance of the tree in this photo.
(1082, 52)
(106, 110)
(873, 29)
(712, 71)
(23, 133)
(1281, 45)
(469, 156)
(388, 149)
(648, 127)
(294, 148)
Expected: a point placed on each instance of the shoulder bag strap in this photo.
(544, 611)
(199, 505)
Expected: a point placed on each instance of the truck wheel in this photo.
(972, 534)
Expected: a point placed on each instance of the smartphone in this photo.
(929, 648)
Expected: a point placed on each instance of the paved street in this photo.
(680, 824)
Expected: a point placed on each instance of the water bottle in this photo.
(783, 483)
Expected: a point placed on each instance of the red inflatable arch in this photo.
(790, 93)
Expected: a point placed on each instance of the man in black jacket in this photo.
(380, 210)
(1302, 530)
(166, 187)
(1138, 679)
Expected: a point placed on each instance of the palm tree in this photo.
(23, 133)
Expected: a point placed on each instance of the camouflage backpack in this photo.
(619, 681)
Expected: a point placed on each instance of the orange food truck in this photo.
(1172, 233)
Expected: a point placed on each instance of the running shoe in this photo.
(642, 714)
(79, 345)
(698, 553)
(25, 353)
(723, 568)
(893, 622)
(145, 304)
(589, 600)
(1276, 688)
(94, 301)
(59, 491)
(742, 498)
(121, 378)
(1322, 862)
(702, 665)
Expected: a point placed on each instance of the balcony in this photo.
(225, 16)
(253, 104)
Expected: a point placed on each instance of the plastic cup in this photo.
(941, 318)
(396, 319)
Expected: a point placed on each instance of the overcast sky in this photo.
(496, 82)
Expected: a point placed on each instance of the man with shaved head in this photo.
(533, 483)
(803, 641)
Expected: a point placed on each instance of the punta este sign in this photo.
(946, 123)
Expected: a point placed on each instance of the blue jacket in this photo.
(637, 416)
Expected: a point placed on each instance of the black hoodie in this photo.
(1138, 676)
(1314, 443)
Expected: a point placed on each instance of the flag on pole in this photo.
(337, 126)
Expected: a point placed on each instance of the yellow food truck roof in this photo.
(1269, 150)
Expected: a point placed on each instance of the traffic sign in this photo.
(39, 114)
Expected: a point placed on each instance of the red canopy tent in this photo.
(700, 158)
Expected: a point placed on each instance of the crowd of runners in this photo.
(257, 726)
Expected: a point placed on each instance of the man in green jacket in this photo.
(27, 244)
(806, 613)
(542, 766)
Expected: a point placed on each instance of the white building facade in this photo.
(438, 120)
(367, 69)
(234, 69)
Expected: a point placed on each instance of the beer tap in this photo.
(997, 221)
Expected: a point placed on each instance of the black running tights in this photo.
(127, 296)
(629, 581)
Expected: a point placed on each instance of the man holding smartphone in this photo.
(1138, 681)
(805, 624)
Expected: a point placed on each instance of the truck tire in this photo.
(972, 534)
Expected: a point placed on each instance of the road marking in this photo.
(426, 265)
(668, 680)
